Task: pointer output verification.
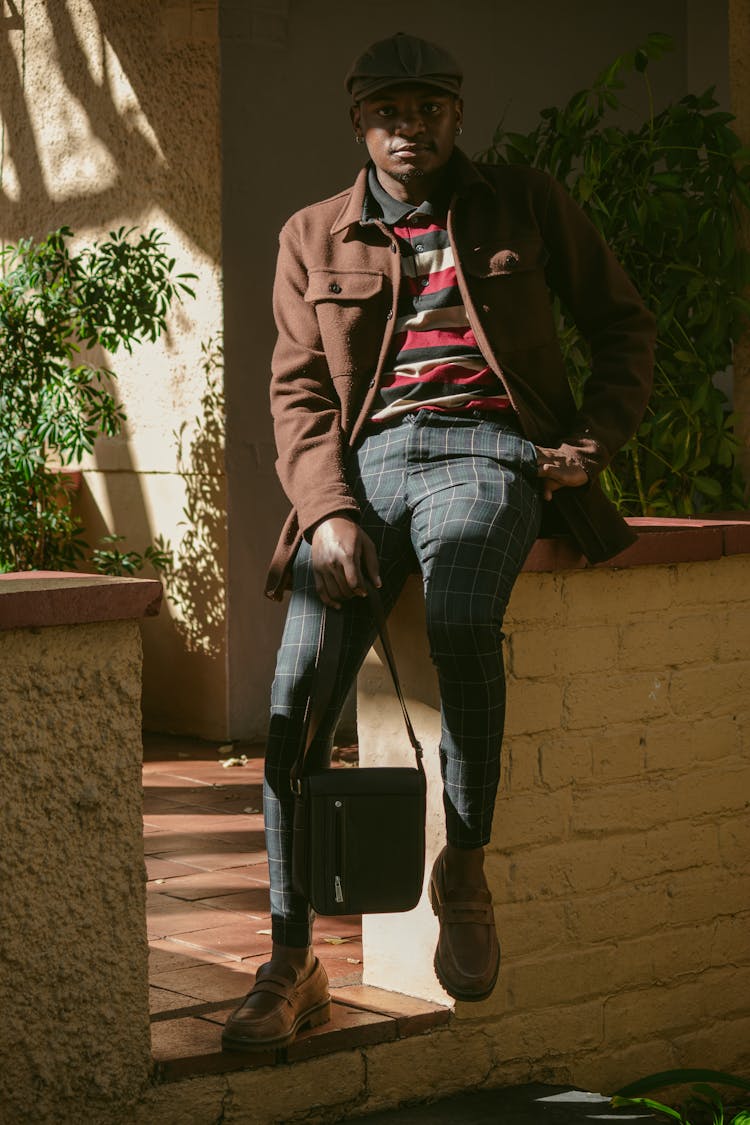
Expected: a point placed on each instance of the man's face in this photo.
(409, 130)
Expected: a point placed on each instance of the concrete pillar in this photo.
(73, 953)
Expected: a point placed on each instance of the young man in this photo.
(423, 418)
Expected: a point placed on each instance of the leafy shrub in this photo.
(667, 196)
(53, 402)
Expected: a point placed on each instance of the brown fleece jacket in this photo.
(517, 238)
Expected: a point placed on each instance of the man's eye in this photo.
(386, 111)
(431, 107)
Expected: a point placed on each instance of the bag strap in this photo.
(324, 678)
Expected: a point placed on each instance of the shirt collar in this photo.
(468, 177)
(378, 204)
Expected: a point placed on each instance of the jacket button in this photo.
(372, 382)
(485, 308)
(389, 314)
(394, 247)
(334, 287)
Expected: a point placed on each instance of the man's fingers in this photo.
(341, 552)
(331, 584)
(556, 475)
(565, 475)
(324, 594)
(353, 577)
(370, 561)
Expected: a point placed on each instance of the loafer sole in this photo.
(313, 1017)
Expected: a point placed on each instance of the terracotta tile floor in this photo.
(208, 918)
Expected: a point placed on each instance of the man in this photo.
(423, 418)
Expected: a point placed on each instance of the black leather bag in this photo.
(359, 834)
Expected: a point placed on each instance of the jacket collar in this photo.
(467, 177)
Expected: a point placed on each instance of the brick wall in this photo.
(620, 859)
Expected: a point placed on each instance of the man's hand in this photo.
(341, 554)
(557, 471)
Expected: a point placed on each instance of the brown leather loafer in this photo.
(467, 958)
(300, 1002)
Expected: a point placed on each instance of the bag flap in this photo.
(367, 782)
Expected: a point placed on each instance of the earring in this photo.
(459, 130)
(359, 140)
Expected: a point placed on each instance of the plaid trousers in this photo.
(461, 494)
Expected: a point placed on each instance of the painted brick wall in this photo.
(620, 859)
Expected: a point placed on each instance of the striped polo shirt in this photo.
(434, 362)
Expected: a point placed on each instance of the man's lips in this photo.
(410, 150)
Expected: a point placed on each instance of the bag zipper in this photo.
(338, 851)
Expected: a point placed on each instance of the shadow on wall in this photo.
(122, 88)
(195, 583)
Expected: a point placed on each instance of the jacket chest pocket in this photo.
(509, 290)
(350, 308)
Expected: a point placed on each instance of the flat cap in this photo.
(402, 58)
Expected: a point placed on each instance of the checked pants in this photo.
(458, 497)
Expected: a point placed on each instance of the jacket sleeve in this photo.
(304, 405)
(620, 329)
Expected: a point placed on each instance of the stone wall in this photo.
(620, 858)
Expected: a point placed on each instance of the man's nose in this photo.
(410, 123)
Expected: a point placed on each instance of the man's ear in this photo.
(356, 118)
(459, 111)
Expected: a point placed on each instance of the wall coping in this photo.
(39, 598)
(660, 541)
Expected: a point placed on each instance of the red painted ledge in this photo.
(660, 541)
(38, 598)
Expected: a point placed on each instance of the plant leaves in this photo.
(618, 1102)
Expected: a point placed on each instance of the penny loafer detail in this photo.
(467, 958)
(302, 1002)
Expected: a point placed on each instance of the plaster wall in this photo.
(73, 953)
(287, 141)
(108, 118)
(620, 856)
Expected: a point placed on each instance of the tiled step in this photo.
(186, 1046)
(209, 927)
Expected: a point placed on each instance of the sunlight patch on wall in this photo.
(9, 181)
(76, 154)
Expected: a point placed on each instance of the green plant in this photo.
(703, 1105)
(667, 196)
(111, 560)
(54, 402)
